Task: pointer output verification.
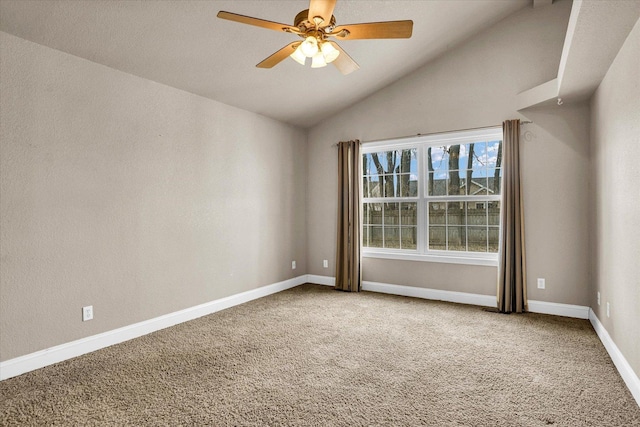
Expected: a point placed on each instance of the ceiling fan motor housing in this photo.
(303, 23)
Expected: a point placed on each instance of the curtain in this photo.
(348, 267)
(512, 274)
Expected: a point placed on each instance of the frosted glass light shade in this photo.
(298, 56)
(318, 61)
(309, 47)
(329, 52)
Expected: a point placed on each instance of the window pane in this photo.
(365, 214)
(454, 156)
(454, 183)
(408, 188)
(480, 158)
(478, 186)
(409, 237)
(493, 179)
(457, 238)
(437, 168)
(438, 186)
(413, 185)
(370, 186)
(368, 168)
(464, 157)
(392, 160)
(437, 212)
(385, 162)
(437, 238)
(408, 161)
(409, 214)
(476, 213)
(365, 236)
(494, 235)
(477, 239)
(456, 213)
(392, 237)
(373, 213)
(408, 185)
(391, 214)
(493, 213)
(477, 173)
(375, 237)
(493, 149)
(387, 187)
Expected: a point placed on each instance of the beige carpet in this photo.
(318, 357)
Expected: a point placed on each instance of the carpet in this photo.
(312, 356)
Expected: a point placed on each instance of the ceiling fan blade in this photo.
(279, 56)
(344, 62)
(322, 8)
(256, 22)
(375, 30)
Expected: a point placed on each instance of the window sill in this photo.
(491, 261)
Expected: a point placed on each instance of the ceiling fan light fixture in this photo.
(315, 26)
(299, 56)
(329, 52)
(309, 46)
(318, 61)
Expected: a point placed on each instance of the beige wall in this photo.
(473, 85)
(134, 197)
(615, 139)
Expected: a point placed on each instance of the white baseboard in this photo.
(432, 294)
(567, 310)
(321, 280)
(412, 291)
(49, 356)
(557, 309)
(626, 372)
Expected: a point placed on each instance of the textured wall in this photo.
(615, 139)
(134, 197)
(476, 84)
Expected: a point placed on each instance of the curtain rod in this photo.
(523, 122)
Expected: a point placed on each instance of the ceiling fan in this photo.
(316, 26)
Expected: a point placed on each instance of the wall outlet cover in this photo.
(87, 313)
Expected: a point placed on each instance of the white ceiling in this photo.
(182, 44)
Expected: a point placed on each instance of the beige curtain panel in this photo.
(512, 274)
(348, 267)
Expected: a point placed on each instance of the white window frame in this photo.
(423, 253)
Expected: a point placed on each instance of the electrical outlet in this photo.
(598, 298)
(541, 283)
(325, 263)
(608, 311)
(87, 313)
(293, 265)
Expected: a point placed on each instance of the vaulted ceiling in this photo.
(182, 44)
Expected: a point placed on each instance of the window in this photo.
(435, 196)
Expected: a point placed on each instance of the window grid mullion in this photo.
(422, 223)
(466, 226)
